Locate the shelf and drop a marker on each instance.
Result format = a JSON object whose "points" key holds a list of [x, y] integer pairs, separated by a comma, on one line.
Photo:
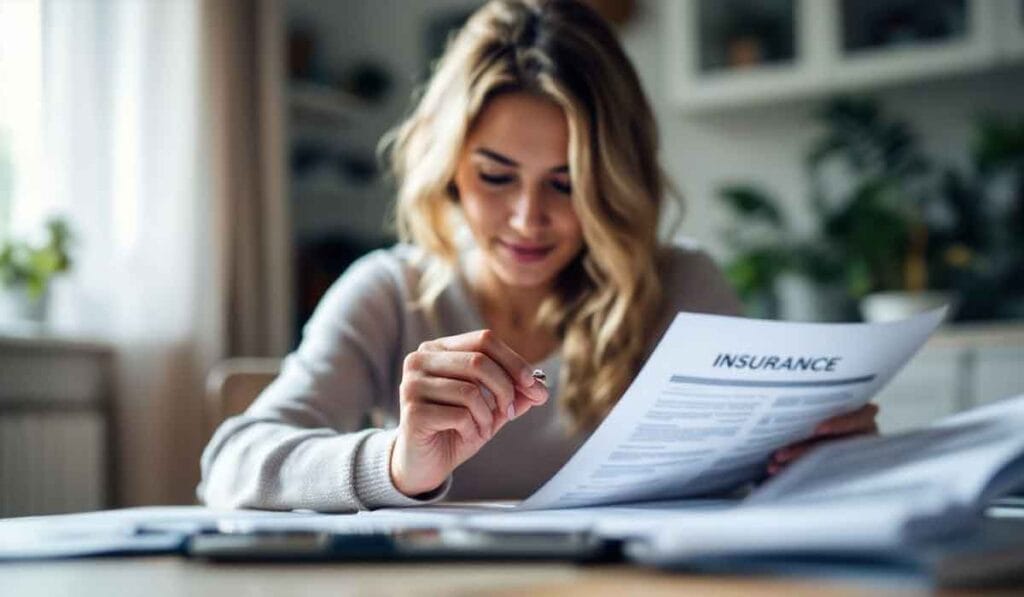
{"points": [[317, 104], [826, 57], [988, 334], [36, 336]]}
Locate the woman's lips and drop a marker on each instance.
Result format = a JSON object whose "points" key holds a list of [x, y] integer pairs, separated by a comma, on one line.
{"points": [[526, 253]]}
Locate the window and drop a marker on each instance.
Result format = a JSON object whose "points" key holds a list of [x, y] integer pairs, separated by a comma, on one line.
{"points": [[21, 194]]}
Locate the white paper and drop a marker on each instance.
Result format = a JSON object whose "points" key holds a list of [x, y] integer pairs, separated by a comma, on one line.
{"points": [[842, 526], [863, 495], [128, 530], [961, 458], [623, 521], [691, 424]]}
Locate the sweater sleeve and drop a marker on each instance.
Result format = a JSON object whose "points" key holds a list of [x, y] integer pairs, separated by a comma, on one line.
{"points": [[299, 444]]}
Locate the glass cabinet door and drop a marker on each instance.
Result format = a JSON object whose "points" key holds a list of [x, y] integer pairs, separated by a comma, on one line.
{"points": [[732, 53], [741, 34], [882, 42], [884, 24], [723, 53]]}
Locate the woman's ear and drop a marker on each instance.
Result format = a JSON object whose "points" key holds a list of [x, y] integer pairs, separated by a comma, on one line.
{"points": [[453, 191]]}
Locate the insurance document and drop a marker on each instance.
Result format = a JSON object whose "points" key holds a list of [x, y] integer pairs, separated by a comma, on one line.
{"points": [[719, 395]]}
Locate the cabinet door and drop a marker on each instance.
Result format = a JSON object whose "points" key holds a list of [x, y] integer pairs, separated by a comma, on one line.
{"points": [[928, 388], [52, 463], [882, 41], [55, 427], [733, 52], [998, 373]]}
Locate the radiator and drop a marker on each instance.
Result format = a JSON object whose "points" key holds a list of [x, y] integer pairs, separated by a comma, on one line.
{"points": [[55, 410], [52, 462]]}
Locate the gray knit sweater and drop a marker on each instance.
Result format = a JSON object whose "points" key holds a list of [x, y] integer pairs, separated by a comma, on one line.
{"points": [[306, 442]]}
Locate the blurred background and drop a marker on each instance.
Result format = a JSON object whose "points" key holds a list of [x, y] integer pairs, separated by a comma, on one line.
{"points": [[181, 180]]}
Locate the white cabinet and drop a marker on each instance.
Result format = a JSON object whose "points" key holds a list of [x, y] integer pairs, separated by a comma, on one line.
{"points": [[729, 53], [925, 390], [56, 425], [959, 367], [998, 372]]}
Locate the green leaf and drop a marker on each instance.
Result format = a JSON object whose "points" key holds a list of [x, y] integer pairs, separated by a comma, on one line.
{"points": [[752, 203], [998, 143], [22, 263]]}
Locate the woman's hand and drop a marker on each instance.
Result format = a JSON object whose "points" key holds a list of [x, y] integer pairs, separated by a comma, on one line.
{"points": [[456, 393], [858, 422]]}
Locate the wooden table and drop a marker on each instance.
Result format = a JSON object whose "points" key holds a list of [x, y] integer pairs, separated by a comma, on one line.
{"points": [[168, 575]]}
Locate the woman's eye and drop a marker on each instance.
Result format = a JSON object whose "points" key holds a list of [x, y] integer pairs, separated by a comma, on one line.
{"points": [[562, 187], [495, 179]]}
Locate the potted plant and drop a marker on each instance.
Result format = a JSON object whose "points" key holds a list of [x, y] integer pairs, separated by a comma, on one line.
{"points": [[879, 214], [769, 255], [762, 252], [873, 195], [984, 237], [27, 269]]}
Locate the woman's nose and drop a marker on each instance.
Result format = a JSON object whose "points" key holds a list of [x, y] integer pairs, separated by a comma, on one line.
{"points": [[528, 210]]}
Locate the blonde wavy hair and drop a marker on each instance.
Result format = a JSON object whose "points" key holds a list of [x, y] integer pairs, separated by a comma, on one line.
{"points": [[606, 302]]}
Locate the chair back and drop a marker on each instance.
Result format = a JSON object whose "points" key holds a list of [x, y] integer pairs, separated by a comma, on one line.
{"points": [[234, 384]]}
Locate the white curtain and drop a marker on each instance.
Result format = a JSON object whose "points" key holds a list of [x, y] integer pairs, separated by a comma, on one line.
{"points": [[125, 162]]}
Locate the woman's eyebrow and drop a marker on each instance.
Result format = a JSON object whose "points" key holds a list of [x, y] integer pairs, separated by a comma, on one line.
{"points": [[497, 157], [504, 159]]}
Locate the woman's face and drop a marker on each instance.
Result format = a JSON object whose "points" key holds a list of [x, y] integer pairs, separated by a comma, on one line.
{"points": [[514, 187]]}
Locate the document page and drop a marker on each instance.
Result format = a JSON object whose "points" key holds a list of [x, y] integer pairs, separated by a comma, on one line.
{"points": [[960, 458], [719, 395]]}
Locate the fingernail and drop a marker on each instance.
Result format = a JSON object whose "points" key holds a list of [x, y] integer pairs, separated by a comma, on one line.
{"points": [[511, 411], [527, 378], [489, 397]]}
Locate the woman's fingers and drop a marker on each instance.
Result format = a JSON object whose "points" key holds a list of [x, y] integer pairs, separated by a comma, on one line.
{"points": [[453, 392], [861, 420], [485, 341], [522, 404], [435, 418], [492, 402], [858, 422], [472, 367], [791, 453], [794, 451]]}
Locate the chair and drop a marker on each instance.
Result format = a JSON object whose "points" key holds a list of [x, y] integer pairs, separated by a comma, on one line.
{"points": [[233, 384]]}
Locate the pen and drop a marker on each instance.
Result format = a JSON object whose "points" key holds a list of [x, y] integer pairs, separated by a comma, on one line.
{"points": [[540, 376]]}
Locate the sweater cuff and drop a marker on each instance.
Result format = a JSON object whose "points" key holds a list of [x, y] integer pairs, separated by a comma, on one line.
{"points": [[373, 476]]}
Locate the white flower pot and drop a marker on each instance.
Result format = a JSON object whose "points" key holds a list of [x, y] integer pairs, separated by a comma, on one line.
{"points": [[16, 304], [896, 305], [803, 300]]}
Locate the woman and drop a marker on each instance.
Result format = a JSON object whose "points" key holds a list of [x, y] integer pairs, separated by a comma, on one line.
{"points": [[534, 138]]}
